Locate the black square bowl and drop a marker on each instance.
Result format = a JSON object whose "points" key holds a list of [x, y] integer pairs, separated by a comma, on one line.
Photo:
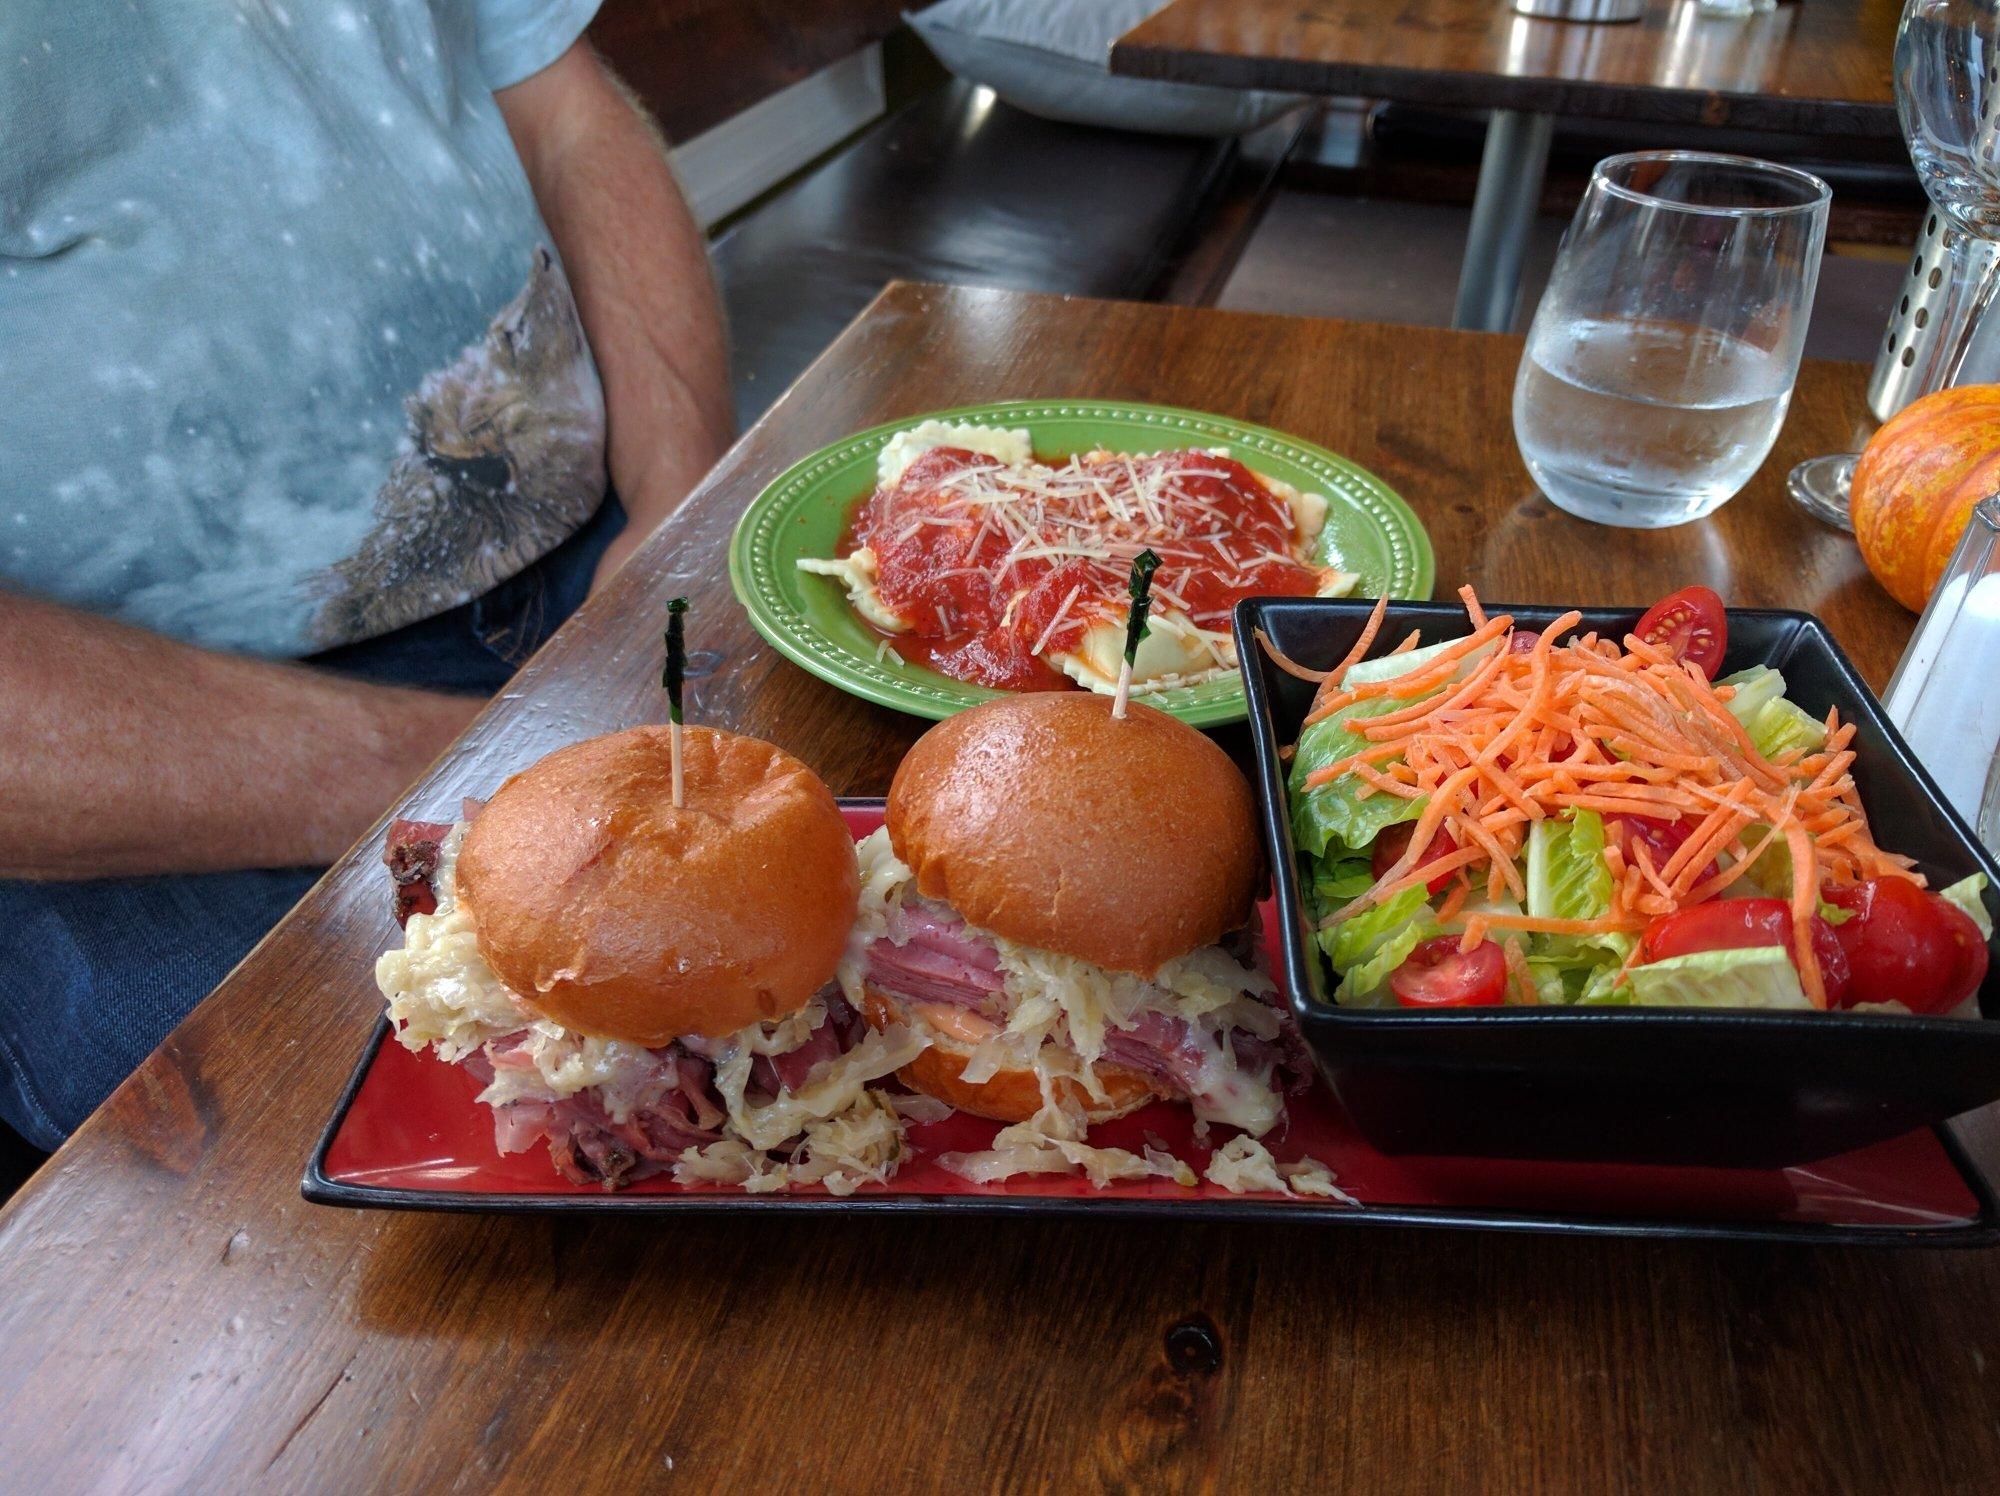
{"points": [[1659, 1085]]}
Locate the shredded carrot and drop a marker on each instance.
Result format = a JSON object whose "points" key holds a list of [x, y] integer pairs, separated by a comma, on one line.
{"points": [[1450, 862], [1425, 678], [1610, 924], [1327, 773], [1285, 662], [1519, 737], [1358, 653], [1805, 903], [1454, 899]]}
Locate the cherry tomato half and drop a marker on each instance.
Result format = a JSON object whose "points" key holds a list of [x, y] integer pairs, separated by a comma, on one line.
{"points": [[1734, 924], [1690, 625], [1661, 838], [1438, 975], [1395, 840], [1908, 946]]}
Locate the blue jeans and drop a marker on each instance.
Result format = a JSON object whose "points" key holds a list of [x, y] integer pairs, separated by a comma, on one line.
{"points": [[93, 974]]}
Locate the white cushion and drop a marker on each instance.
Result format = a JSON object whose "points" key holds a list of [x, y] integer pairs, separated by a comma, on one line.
{"points": [[1051, 57]]}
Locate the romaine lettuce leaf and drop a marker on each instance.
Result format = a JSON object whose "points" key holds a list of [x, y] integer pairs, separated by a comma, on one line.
{"points": [[1389, 666], [1334, 815], [1567, 874], [1965, 893], [1771, 873], [1780, 726], [1756, 688], [1753, 977], [1367, 947], [1366, 984], [1585, 977], [1334, 884], [1602, 989], [1579, 968], [1354, 940]]}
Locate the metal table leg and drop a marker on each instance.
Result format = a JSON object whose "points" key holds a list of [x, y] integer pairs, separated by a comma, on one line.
{"points": [[1503, 211]]}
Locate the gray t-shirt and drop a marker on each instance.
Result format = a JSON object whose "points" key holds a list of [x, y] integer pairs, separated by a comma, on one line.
{"points": [[286, 355]]}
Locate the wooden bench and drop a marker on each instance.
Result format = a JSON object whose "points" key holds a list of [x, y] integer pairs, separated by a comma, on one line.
{"points": [[961, 188]]}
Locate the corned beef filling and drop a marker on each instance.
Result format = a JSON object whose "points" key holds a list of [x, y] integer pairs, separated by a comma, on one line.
{"points": [[588, 1147], [930, 955]]}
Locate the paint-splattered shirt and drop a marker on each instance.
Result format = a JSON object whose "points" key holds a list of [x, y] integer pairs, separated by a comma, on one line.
{"points": [[286, 355]]}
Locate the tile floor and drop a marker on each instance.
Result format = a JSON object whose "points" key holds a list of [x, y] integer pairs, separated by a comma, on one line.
{"points": [[1318, 254]]}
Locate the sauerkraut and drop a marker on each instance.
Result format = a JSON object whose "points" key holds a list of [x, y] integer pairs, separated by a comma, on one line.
{"points": [[861, 1144], [835, 1085], [830, 1128], [1062, 1011], [1245, 1166], [1051, 1142]]}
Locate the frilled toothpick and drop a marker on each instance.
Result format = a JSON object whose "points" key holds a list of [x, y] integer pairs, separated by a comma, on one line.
{"points": [[672, 677], [1143, 566]]}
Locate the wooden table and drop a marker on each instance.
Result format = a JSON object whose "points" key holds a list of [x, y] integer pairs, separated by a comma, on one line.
{"points": [[172, 1313], [1818, 67]]}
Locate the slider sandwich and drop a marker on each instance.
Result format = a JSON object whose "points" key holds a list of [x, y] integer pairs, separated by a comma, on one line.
{"points": [[643, 986], [1058, 905]]}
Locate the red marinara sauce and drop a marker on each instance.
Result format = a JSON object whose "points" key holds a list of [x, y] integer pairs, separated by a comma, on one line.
{"points": [[993, 567]]}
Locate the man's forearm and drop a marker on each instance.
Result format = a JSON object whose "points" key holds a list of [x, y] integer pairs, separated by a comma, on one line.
{"points": [[638, 265], [122, 752]]}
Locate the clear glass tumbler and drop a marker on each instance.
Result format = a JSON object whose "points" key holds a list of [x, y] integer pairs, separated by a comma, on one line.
{"points": [[1662, 356]]}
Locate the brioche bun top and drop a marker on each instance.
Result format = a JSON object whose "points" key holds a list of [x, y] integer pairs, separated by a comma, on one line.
{"points": [[614, 914], [1043, 818]]}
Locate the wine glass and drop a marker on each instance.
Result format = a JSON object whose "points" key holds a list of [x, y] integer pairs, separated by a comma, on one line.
{"points": [[1948, 101]]}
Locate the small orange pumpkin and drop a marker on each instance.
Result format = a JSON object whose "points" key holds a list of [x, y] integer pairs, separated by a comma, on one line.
{"points": [[1917, 482]]}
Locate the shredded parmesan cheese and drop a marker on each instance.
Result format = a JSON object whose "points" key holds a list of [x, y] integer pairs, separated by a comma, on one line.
{"points": [[1086, 519]]}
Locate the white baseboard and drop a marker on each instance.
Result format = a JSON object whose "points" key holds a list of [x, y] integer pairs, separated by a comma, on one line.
{"points": [[724, 168]]}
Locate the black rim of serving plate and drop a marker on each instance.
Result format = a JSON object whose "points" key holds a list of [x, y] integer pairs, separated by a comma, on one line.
{"points": [[318, 1187]]}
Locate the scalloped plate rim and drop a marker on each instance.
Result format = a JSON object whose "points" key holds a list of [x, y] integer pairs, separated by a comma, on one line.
{"points": [[802, 641]]}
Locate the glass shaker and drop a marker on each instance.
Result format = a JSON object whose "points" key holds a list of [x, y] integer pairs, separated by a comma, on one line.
{"points": [[1945, 694]]}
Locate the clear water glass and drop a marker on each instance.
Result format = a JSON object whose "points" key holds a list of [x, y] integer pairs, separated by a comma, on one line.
{"points": [[1662, 357]]}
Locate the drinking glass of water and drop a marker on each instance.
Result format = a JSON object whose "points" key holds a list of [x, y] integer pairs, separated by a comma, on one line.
{"points": [[1662, 357]]}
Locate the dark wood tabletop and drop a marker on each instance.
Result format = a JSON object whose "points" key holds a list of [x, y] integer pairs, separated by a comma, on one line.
{"points": [[173, 1314], [1816, 66]]}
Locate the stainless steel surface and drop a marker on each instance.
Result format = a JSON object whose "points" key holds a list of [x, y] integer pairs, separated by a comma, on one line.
{"points": [[1949, 270], [1511, 169]]}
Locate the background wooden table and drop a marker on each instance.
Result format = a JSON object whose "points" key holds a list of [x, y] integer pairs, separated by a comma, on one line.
{"points": [[1821, 67], [1817, 67], [172, 1313]]}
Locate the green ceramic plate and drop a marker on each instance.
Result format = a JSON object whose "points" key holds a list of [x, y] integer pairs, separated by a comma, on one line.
{"points": [[807, 618]]}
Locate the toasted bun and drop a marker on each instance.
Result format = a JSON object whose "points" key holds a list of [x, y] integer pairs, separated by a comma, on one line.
{"points": [[617, 915], [1010, 1095], [1045, 819]]}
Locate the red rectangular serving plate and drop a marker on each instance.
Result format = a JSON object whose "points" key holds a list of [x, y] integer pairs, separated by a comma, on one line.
{"points": [[409, 1134]]}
